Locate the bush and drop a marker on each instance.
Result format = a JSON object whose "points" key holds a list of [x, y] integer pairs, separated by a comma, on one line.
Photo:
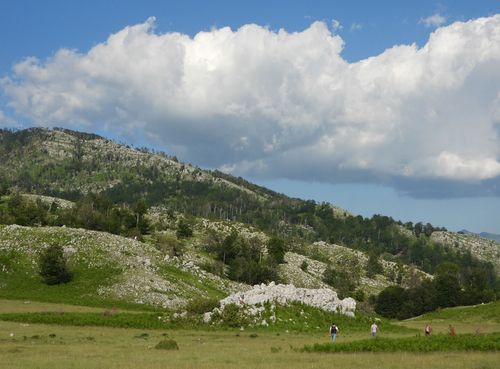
{"points": [[342, 280], [251, 271], [304, 265], [201, 305], [215, 267], [359, 295], [169, 245], [390, 301], [232, 316], [276, 249], [184, 229], [167, 345], [53, 266]]}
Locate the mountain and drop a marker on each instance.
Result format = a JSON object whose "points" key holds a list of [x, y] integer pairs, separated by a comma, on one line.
{"points": [[489, 236], [173, 232], [67, 164]]}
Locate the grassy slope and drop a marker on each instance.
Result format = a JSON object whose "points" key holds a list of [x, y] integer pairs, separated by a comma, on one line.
{"points": [[466, 319], [476, 313], [98, 261]]}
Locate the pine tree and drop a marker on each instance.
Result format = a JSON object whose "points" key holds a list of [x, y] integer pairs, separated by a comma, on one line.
{"points": [[54, 267]]}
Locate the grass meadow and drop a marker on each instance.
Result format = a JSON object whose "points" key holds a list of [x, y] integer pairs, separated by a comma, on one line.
{"points": [[29, 346]]}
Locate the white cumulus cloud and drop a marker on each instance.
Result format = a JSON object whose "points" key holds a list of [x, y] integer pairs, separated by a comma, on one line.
{"points": [[259, 102], [435, 20]]}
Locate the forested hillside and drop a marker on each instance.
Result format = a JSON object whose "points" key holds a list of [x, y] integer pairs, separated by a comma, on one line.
{"points": [[65, 178]]}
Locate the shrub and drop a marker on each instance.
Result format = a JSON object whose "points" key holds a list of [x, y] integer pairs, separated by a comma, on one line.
{"points": [[341, 279], [390, 300], [276, 249], [184, 229], [304, 265], [232, 316], [167, 345], [359, 295], [170, 245], [201, 305], [53, 266], [215, 267], [373, 266], [251, 271]]}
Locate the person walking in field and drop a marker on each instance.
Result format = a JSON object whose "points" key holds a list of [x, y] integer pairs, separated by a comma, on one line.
{"points": [[334, 330], [374, 329], [428, 329]]}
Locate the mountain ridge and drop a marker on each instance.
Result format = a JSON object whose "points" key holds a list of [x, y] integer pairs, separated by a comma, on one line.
{"points": [[487, 235], [70, 164]]}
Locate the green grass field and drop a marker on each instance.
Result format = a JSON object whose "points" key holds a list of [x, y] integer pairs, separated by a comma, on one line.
{"points": [[48, 346], [33, 345]]}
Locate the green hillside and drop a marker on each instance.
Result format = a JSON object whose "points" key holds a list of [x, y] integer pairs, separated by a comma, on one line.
{"points": [[108, 270], [140, 227]]}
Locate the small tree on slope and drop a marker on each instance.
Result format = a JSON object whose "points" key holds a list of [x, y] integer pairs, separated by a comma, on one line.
{"points": [[54, 267]]}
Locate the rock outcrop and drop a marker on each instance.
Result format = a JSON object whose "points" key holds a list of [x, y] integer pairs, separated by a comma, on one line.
{"points": [[284, 294]]}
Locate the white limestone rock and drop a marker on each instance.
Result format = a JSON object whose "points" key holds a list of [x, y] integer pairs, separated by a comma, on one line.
{"points": [[322, 298]]}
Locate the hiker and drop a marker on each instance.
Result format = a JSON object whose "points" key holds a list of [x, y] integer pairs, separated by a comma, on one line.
{"points": [[334, 330], [428, 329], [374, 329]]}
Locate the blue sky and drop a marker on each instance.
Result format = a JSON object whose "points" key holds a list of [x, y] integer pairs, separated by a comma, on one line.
{"points": [[338, 106]]}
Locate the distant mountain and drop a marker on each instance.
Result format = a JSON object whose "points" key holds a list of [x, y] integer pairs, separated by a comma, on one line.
{"points": [[489, 236]]}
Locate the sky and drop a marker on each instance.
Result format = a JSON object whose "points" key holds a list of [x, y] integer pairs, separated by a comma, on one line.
{"points": [[387, 107]]}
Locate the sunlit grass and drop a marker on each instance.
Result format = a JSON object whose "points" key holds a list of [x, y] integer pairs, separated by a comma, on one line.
{"points": [[484, 318], [89, 347]]}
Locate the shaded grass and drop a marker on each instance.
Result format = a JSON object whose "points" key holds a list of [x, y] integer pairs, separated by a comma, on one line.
{"points": [[118, 320], [28, 306], [465, 342]]}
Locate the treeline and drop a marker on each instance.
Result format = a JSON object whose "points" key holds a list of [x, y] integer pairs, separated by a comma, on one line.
{"points": [[92, 211], [245, 260], [452, 286], [289, 218]]}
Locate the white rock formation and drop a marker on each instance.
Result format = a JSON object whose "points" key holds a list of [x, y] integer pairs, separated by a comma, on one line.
{"points": [[322, 298]]}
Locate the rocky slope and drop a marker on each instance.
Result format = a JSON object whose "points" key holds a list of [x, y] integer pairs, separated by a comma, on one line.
{"points": [[140, 273], [481, 248]]}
